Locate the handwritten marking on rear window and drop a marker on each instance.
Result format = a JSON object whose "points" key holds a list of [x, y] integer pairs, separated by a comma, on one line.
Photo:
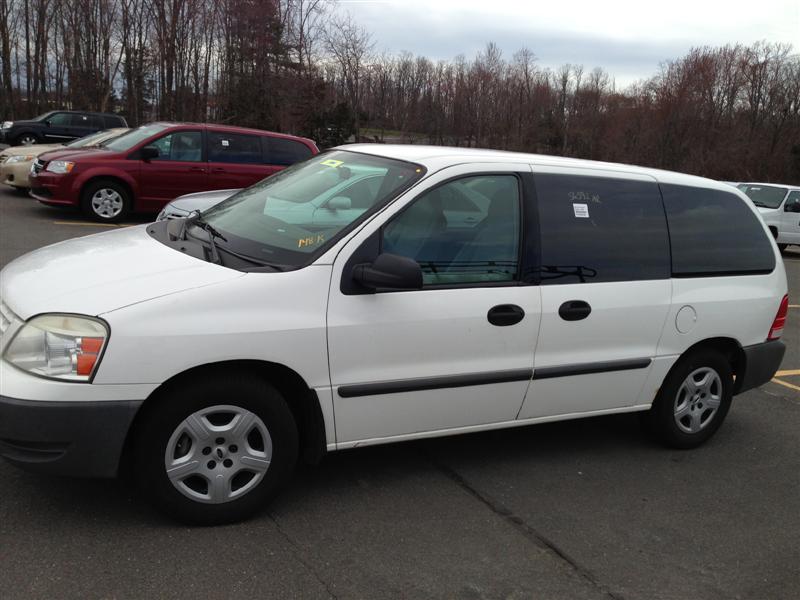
{"points": [[584, 197], [331, 163]]}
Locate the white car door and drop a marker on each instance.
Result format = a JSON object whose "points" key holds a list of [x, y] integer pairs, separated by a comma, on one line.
{"points": [[790, 219], [457, 353], [606, 289]]}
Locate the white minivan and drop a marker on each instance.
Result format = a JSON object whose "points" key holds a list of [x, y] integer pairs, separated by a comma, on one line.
{"points": [[460, 290], [779, 206]]}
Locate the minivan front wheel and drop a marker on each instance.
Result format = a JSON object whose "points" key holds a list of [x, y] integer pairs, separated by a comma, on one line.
{"points": [[693, 400], [105, 200], [215, 451]]}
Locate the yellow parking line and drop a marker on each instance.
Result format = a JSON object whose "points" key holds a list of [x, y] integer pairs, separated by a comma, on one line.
{"points": [[86, 224], [787, 373], [784, 383]]}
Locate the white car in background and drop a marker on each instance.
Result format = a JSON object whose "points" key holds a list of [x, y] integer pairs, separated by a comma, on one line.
{"points": [[779, 206], [16, 161]]}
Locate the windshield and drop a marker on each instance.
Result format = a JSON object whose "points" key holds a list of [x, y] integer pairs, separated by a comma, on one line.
{"points": [[290, 218], [766, 196], [135, 136], [89, 140]]}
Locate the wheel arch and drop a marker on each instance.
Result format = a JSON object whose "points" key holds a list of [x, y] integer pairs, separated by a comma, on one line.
{"points": [[94, 176], [302, 400], [730, 348]]}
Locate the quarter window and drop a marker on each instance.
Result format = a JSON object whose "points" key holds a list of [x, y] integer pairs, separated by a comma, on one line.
{"points": [[234, 148], [282, 151], [714, 233], [460, 235], [186, 146], [596, 229]]}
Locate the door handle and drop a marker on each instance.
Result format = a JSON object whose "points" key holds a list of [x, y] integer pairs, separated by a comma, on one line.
{"points": [[504, 315], [197, 169], [574, 310], [218, 170]]}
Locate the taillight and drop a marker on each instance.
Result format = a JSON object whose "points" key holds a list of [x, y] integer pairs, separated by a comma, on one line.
{"points": [[776, 331]]}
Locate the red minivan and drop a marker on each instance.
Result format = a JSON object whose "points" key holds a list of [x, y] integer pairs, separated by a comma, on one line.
{"points": [[148, 167]]}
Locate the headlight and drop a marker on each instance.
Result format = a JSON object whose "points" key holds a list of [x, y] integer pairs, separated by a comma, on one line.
{"points": [[59, 346], [60, 166], [16, 159], [7, 125]]}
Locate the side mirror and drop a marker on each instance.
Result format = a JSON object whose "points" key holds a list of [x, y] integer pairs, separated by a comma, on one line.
{"points": [[47, 122], [149, 153], [391, 272], [339, 203], [792, 207]]}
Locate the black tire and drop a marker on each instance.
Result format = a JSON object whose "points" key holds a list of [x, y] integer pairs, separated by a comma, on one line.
{"points": [[22, 191], [160, 424], [114, 190], [26, 139], [661, 420]]}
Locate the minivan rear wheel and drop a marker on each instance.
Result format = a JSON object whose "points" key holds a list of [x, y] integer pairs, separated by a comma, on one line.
{"points": [[693, 400], [105, 200], [215, 450]]}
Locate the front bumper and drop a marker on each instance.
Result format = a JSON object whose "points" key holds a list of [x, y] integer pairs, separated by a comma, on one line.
{"points": [[761, 361], [52, 188], [15, 174], [79, 438]]}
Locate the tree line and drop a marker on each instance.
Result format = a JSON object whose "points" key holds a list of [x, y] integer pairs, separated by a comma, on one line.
{"points": [[305, 67]]}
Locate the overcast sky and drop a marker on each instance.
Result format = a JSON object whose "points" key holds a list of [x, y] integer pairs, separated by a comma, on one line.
{"points": [[627, 38]]}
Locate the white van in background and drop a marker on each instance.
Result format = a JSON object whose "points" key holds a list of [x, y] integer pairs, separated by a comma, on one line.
{"points": [[779, 206], [456, 290]]}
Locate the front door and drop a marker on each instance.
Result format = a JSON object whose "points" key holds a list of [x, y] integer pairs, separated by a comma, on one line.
{"points": [[606, 290], [790, 219], [179, 169], [58, 128], [457, 353]]}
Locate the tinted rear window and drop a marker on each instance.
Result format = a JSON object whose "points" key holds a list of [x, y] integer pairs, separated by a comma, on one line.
{"points": [[596, 229], [714, 233], [234, 148], [282, 151]]}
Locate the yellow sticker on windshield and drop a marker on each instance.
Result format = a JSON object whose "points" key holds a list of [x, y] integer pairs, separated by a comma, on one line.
{"points": [[331, 163]]}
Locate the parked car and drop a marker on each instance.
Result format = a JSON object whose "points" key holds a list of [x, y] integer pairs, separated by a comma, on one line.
{"points": [[15, 163], [148, 167], [209, 353], [779, 206], [57, 127]]}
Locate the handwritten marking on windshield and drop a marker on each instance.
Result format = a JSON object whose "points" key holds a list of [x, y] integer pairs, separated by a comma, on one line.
{"points": [[310, 241], [331, 163]]}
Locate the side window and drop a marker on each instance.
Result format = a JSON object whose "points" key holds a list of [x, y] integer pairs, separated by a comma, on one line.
{"points": [[596, 229], [282, 151], [714, 233], [60, 120], [792, 202], [234, 148], [180, 146], [466, 246]]}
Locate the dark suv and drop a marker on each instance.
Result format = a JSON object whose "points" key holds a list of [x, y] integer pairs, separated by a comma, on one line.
{"points": [[148, 167], [57, 126]]}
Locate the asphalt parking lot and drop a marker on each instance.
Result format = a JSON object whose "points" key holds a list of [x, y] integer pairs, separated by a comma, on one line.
{"points": [[580, 509]]}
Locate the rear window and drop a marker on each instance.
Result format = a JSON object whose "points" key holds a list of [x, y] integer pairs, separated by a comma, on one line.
{"points": [[234, 148], [596, 229], [714, 233], [282, 151]]}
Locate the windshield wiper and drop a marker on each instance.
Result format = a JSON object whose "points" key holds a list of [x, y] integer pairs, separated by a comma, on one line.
{"points": [[212, 233]]}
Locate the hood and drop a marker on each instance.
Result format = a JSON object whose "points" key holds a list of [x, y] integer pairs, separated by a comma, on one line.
{"points": [[765, 210], [34, 150], [76, 153], [102, 272], [180, 207]]}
